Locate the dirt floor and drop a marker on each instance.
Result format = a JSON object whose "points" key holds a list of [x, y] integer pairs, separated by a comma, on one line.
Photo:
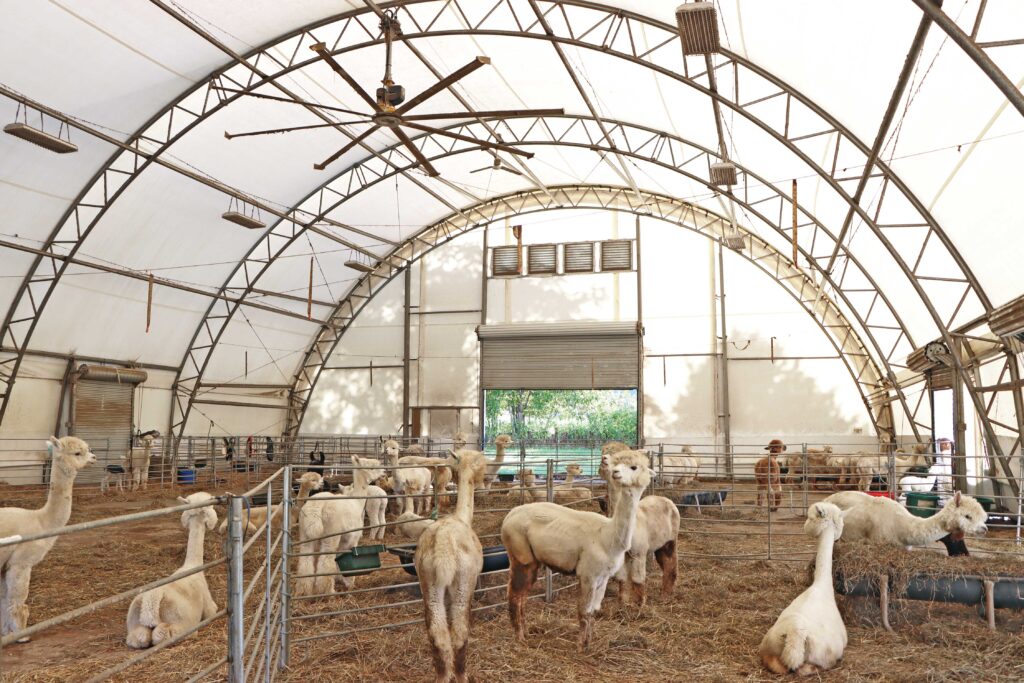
{"points": [[727, 596]]}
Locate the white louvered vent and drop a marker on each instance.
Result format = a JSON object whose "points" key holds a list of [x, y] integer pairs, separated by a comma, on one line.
{"points": [[505, 260], [579, 257], [698, 28], [542, 259], [616, 255]]}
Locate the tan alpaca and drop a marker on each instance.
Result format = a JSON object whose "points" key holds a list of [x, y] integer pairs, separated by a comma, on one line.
{"points": [[448, 561], [166, 612], [607, 503], [502, 442], [256, 516], [767, 475], [440, 474], [680, 469], [138, 460], [68, 456], [567, 493], [573, 541], [809, 636], [411, 525]]}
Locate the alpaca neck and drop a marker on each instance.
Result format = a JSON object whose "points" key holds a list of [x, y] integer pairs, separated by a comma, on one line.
{"points": [[360, 482], [569, 478], [464, 500], [823, 562], [931, 529], [57, 510], [623, 519], [499, 453], [194, 550]]}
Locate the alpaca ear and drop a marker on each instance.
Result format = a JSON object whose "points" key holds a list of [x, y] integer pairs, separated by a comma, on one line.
{"points": [[821, 512], [956, 499], [182, 500], [52, 443]]}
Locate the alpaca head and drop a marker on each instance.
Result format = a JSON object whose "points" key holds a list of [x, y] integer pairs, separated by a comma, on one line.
{"points": [[370, 466], [503, 441], [963, 516], [686, 450], [826, 449], [70, 453], [390, 448], [207, 515], [613, 447], [526, 476], [312, 479], [573, 469], [629, 469], [459, 441], [821, 516], [471, 464], [414, 449]]}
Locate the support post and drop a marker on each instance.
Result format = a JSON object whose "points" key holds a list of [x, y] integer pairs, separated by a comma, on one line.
{"points": [[549, 593], [724, 362], [268, 607], [481, 416], [236, 587], [286, 529], [959, 456], [407, 341], [640, 340]]}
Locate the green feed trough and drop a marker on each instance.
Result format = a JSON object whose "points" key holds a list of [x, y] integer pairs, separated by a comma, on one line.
{"points": [[360, 560]]}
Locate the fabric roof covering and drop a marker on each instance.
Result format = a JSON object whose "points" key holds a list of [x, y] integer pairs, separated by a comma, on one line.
{"points": [[937, 237]]}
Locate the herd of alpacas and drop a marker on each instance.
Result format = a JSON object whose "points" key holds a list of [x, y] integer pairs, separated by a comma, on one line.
{"points": [[808, 637]]}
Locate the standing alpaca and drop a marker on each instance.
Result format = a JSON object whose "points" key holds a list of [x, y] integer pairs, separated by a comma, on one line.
{"points": [[338, 518], [797, 469], [767, 473], [440, 473], [573, 541], [114, 473], [138, 460], [409, 481], [657, 528], [458, 441], [68, 456], [256, 516], [502, 442], [606, 502], [809, 636], [448, 561], [168, 611], [883, 520]]}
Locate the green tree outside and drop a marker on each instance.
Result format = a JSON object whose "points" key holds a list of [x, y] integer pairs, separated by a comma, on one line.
{"points": [[565, 415]]}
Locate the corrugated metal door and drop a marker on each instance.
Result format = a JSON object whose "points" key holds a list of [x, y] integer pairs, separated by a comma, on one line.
{"points": [[560, 356], [103, 418]]}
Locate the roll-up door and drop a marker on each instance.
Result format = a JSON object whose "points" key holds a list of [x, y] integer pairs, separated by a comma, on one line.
{"points": [[560, 355], [104, 401]]}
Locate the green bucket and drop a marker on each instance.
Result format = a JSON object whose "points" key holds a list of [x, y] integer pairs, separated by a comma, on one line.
{"points": [[922, 504], [360, 560], [986, 503]]}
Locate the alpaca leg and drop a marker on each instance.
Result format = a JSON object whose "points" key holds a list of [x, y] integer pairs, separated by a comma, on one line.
{"points": [[306, 565], [437, 629], [166, 631], [325, 565], [458, 621], [105, 483], [584, 612], [139, 636], [16, 581], [760, 494], [669, 563], [638, 579], [520, 580]]}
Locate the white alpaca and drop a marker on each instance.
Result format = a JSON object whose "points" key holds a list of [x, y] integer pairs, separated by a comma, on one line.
{"points": [[138, 459], [411, 482], [882, 520], [809, 636], [376, 504], [502, 442], [338, 518], [168, 611], [411, 525], [657, 528], [68, 456], [573, 541], [256, 516], [114, 473], [679, 469]]}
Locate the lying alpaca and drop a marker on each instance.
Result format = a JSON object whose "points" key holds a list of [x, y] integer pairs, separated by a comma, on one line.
{"points": [[809, 636], [573, 541], [679, 469], [114, 473], [883, 520], [168, 611], [657, 528], [338, 518], [448, 561], [411, 525], [411, 482], [501, 442], [799, 465], [567, 493], [529, 481], [560, 494], [138, 460], [67, 456], [256, 516]]}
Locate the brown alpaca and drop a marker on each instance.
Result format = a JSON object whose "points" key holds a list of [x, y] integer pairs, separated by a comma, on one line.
{"points": [[448, 561], [768, 476]]}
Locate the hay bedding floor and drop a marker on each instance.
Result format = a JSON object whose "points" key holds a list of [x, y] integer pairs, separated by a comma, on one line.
{"points": [[708, 631]]}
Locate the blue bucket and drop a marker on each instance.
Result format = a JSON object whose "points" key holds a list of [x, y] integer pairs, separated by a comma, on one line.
{"points": [[186, 475]]}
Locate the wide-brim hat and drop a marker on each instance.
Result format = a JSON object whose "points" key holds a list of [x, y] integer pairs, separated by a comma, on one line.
{"points": [[775, 442]]}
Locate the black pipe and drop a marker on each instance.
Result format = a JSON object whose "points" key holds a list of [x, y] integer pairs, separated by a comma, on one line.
{"points": [[964, 590]]}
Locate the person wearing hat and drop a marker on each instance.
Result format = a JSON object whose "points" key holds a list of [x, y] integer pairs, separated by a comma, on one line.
{"points": [[768, 475]]}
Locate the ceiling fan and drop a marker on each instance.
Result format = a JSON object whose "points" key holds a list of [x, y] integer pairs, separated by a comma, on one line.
{"points": [[391, 110], [498, 165]]}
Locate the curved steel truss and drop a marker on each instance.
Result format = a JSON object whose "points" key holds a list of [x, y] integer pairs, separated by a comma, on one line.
{"points": [[865, 372]]}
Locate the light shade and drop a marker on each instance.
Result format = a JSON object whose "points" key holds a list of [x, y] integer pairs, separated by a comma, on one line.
{"points": [[723, 174], [698, 28], [41, 138], [250, 222], [361, 266], [734, 241]]}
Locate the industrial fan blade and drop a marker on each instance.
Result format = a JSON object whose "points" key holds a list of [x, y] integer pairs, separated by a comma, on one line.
{"points": [[495, 114], [443, 83], [274, 131], [407, 141], [466, 138], [321, 50], [286, 100], [355, 141]]}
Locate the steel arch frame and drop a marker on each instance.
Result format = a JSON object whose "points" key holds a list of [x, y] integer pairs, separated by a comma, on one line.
{"points": [[833, 323], [662, 149]]}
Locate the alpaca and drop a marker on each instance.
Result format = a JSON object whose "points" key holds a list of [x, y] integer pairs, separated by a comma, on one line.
{"points": [[138, 461], [821, 467], [529, 481], [448, 561], [809, 636], [657, 528], [394, 505], [168, 611], [441, 474], [409, 481], [116, 474], [567, 493], [501, 442], [606, 502], [411, 525], [458, 441], [883, 520], [560, 494], [573, 541], [338, 518], [794, 464], [67, 455], [679, 469], [376, 504], [769, 482], [256, 516]]}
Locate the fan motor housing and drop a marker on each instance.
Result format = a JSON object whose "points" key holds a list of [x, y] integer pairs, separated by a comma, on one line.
{"points": [[391, 95]]}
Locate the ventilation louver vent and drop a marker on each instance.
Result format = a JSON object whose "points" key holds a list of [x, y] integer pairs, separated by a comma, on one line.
{"points": [[698, 28], [723, 174], [734, 240], [1008, 320], [616, 255], [579, 257], [542, 259], [505, 260]]}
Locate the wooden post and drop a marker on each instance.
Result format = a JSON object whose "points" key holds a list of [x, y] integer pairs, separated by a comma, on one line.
{"points": [[149, 303], [796, 249]]}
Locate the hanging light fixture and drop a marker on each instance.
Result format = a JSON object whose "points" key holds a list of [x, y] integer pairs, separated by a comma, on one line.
{"points": [[361, 262], [734, 240], [698, 28], [723, 174], [239, 215], [39, 137]]}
